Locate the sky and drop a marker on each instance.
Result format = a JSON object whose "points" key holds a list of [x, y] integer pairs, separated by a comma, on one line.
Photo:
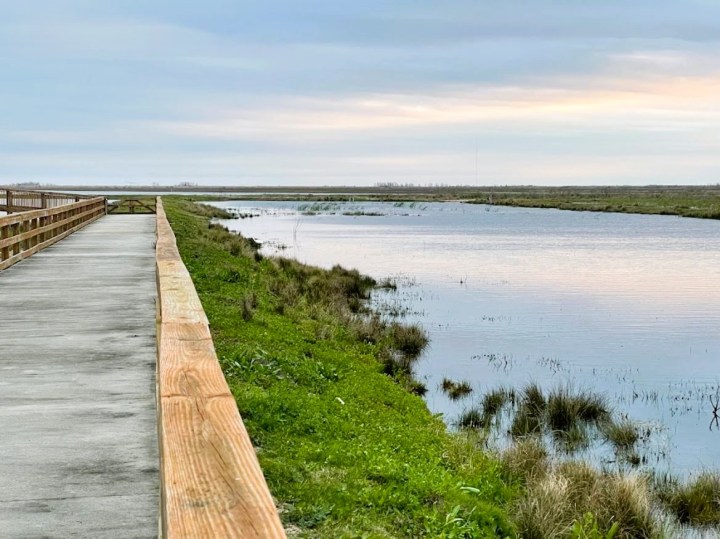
{"points": [[329, 92]]}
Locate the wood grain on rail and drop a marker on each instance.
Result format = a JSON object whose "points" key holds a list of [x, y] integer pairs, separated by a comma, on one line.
{"points": [[212, 484]]}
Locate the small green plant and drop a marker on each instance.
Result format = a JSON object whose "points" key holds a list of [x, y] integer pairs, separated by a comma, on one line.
{"points": [[587, 528]]}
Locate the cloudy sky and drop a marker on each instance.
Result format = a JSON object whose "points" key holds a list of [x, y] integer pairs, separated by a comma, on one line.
{"points": [[329, 92]]}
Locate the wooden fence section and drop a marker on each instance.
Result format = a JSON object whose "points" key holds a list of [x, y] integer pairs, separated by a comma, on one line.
{"points": [[212, 484], [24, 234], [131, 206], [16, 200]]}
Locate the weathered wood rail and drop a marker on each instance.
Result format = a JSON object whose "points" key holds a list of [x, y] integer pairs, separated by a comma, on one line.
{"points": [[131, 206], [24, 234], [17, 200], [212, 484]]}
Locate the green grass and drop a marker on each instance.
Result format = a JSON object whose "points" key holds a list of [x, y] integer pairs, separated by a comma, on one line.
{"points": [[347, 451]]}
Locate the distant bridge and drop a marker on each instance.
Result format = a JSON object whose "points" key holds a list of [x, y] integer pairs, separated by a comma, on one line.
{"points": [[115, 418]]}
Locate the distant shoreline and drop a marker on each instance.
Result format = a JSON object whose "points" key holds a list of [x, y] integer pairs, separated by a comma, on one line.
{"points": [[696, 201]]}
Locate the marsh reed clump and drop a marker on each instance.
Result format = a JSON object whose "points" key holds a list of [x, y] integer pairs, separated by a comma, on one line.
{"points": [[396, 364], [623, 434], [409, 339], [456, 390], [556, 503], [471, 419], [494, 401], [525, 423], [567, 407], [525, 460], [695, 502], [533, 399]]}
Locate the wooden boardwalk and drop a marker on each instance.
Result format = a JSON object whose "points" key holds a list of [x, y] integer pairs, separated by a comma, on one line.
{"points": [[78, 428]]}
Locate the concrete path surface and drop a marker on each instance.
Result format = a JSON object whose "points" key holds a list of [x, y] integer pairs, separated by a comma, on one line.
{"points": [[78, 434]]}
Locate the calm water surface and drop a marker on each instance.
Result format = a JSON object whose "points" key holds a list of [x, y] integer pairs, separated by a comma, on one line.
{"points": [[628, 305]]}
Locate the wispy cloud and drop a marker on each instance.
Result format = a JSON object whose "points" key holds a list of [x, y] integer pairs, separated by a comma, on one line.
{"points": [[327, 92]]}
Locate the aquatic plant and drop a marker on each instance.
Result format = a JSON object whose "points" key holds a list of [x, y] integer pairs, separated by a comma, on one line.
{"points": [[533, 399], [409, 339], [566, 407], [623, 434], [456, 390], [695, 502], [525, 423], [471, 419], [494, 400]]}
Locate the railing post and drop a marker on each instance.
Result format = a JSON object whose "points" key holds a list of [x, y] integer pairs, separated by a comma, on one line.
{"points": [[9, 200], [43, 201]]}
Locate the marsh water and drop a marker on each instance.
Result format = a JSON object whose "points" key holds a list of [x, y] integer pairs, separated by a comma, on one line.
{"points": [[626, 305]]}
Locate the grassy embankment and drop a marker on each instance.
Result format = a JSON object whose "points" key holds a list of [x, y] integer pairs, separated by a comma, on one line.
{"points": [[322, 388]]}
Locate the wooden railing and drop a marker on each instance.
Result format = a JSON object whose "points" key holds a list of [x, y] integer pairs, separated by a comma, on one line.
{"points": [[212, 484], [16, 200], [24, 234], [131, 206]]}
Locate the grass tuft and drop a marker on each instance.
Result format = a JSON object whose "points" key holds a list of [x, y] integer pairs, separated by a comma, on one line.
{"points": [[456, 390], [471, 419], [696, 502], [567, 407], [623, 434]]}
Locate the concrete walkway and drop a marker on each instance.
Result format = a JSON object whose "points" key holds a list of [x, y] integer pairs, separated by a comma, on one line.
{"points": [[78, 435]]}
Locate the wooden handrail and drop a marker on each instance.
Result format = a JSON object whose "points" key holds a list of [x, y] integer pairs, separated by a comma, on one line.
{"points": [[16, 200], [24, 234], [212, 484]]}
